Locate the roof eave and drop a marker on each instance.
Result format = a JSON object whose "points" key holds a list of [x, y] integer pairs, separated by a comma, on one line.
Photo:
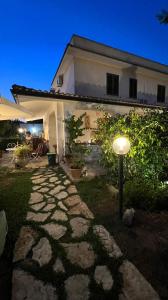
{"points": [[78, 98]]}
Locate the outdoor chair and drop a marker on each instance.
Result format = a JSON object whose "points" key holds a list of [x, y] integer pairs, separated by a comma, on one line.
{"points": [[38, 152], [11, 145]]}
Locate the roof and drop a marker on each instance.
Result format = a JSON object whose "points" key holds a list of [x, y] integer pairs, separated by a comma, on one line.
{"points": [[25, 91], [94, 47], [99, 48]]}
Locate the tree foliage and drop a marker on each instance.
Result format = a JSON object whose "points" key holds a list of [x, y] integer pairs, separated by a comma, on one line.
{"points": [[8, 128], [74, 128], [163, 17], [149, 143]]}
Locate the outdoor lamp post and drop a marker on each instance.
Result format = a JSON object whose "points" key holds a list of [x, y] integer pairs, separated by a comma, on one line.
{"points": [[121, 146]]}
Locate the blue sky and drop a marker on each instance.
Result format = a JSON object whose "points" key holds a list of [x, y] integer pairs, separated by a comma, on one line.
{"points": [[34, 33]]}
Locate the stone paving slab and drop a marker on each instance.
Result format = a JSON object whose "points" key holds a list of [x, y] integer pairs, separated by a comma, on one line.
{"points": [[107, 241], [80, 254], [135, 286], [56, 231], [26, 240], [35, 198], [77, 288], [103, 277], [80, 226], [27, 287], [42, 252], [62, 239], [37, 217]]}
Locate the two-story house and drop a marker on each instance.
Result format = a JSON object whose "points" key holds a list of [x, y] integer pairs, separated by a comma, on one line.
{"points": [[89, 75]]}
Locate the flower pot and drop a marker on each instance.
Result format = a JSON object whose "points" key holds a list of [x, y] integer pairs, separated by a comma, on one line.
{"points": [[20, 162], [76, 173], [51, 159]]}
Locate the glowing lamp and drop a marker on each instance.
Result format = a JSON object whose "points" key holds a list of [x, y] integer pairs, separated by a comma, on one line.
{"points": [[20, 130], [121, 145]]}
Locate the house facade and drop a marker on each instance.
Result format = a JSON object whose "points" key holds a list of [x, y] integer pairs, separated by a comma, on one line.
{"points": [[92, 75], [89, 68]]}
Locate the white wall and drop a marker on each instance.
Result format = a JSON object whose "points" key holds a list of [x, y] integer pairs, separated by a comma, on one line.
{"points": [[90, 80], [68, 76], [50, 126], [54, 127], [60, 130]]}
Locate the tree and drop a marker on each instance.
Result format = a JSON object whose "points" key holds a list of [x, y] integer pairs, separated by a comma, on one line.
{"points": [[9, 128], [163, 17]]}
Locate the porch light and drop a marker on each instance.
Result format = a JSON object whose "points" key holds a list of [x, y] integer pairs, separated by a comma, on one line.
{"points": [[121, 147], [21, 130]]}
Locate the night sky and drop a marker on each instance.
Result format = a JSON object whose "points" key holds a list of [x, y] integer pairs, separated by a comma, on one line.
{"points": [[34, 33]]}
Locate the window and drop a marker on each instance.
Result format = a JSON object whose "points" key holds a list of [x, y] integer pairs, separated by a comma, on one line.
{"points": [[112, 84], [60, 80], [161, 91], [133, 88]]}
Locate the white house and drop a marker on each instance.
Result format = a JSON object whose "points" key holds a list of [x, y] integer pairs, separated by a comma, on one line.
{"points": [[92, 74]]}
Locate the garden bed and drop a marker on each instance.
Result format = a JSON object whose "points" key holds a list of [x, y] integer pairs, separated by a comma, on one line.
{"points": [[145, 244]]}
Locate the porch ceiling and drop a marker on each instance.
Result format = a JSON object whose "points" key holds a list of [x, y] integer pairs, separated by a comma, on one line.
{"points": [[38, 106], [9, 110]]}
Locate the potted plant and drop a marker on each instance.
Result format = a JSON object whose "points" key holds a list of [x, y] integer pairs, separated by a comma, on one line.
{"points": [[21, 155], [79, 151], [74, 128]]}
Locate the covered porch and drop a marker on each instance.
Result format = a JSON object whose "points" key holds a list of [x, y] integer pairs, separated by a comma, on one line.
{"points": [[54, 108]]}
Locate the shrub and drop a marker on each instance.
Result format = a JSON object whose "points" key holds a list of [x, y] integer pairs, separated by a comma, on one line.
{"points": [[146, 164], [144, 195], [74, 128], [79, 151], [149, 142], [22, 151]]}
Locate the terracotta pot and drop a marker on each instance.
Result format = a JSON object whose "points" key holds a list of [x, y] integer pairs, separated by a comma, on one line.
{"points": [[76, 173]]}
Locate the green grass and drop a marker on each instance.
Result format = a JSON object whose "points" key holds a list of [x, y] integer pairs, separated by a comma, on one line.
{"points": [[15, 191], [98, 198]]}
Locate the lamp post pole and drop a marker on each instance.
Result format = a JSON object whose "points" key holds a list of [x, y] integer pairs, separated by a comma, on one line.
{"points": [[121, 147], [120, 186]]}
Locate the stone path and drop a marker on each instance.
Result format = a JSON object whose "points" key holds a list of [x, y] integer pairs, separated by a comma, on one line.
{"points": [[61, 253]]}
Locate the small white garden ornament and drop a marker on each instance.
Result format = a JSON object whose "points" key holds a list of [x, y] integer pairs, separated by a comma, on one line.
{"points": [[128, 216]]}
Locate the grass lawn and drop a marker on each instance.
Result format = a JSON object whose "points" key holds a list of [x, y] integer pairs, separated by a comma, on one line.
{"points": [[145, 243], [15, 189]]}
